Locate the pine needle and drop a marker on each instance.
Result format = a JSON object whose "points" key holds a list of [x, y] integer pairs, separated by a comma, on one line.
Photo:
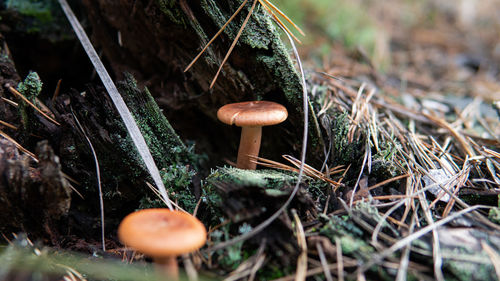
{"points": [[271, 9], [284, 16], [18, 146], [273, 15], [216, 35], [300, 274], [8, 125], [234, 43], [98, 175], [324, 262], [16, 93], [13, 103]]}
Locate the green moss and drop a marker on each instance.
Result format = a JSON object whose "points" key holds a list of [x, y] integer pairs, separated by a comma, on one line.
{"points": [[174, 159], [259, 32], [494, 215], [165, 145], [177, 179], [171, 10], [344, 153], [338, 226], [31, 86], [269, 183], [40, 10], [271, 272], [21, 260], [285, 74], [43, 17], [271, 179], [351, 246]]}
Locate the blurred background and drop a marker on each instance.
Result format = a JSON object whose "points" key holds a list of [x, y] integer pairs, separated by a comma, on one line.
{"points": [[443, 50], [378, 26]]}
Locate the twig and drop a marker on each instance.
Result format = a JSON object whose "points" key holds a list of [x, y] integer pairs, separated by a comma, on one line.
{"points": [[13, 103], [284, 16], [191, 272], [365, 158], [436, 249], [405, 257], [377, 229], [273, 15]]}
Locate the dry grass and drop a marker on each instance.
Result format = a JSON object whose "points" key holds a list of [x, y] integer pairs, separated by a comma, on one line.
{"points": [[430, 136]]}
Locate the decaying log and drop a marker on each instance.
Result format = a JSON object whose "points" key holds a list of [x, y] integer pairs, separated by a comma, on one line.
{"points": [[156, 40], [35, 197], [124, 175]]}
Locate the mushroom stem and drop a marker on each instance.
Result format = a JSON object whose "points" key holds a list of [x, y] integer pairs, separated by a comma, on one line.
{"points": [[168, 266], [249, 145]]}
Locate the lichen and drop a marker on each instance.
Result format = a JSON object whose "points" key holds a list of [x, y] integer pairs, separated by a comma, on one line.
{"points": [[350, 236], [31, 86], [494, 215], [272, 180], [233, 255], [462, 270], [263, 178]]}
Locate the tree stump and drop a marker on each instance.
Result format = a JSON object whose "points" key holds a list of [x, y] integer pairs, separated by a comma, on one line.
{"points": [[156, 40]]}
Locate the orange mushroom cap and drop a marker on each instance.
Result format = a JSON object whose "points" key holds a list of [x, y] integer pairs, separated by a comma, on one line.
{"points": [[252, 113], [161, 232]]}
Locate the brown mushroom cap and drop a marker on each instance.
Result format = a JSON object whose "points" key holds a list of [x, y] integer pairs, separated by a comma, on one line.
{"points": [[161, 232], [252, 113]]}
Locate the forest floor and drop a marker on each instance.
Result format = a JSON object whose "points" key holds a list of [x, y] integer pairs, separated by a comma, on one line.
{"points": [[412, 91]]}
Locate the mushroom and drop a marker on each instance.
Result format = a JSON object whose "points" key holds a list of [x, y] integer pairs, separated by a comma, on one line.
{"points": [[163, 235], [251, 116]]}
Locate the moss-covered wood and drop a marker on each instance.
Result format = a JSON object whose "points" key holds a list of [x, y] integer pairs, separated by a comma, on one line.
{"points": [[156, 40], [124, 174]]}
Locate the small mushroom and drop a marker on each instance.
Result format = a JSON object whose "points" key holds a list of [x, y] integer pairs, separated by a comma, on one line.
{"points": [[251, 116], [163, 235]]}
